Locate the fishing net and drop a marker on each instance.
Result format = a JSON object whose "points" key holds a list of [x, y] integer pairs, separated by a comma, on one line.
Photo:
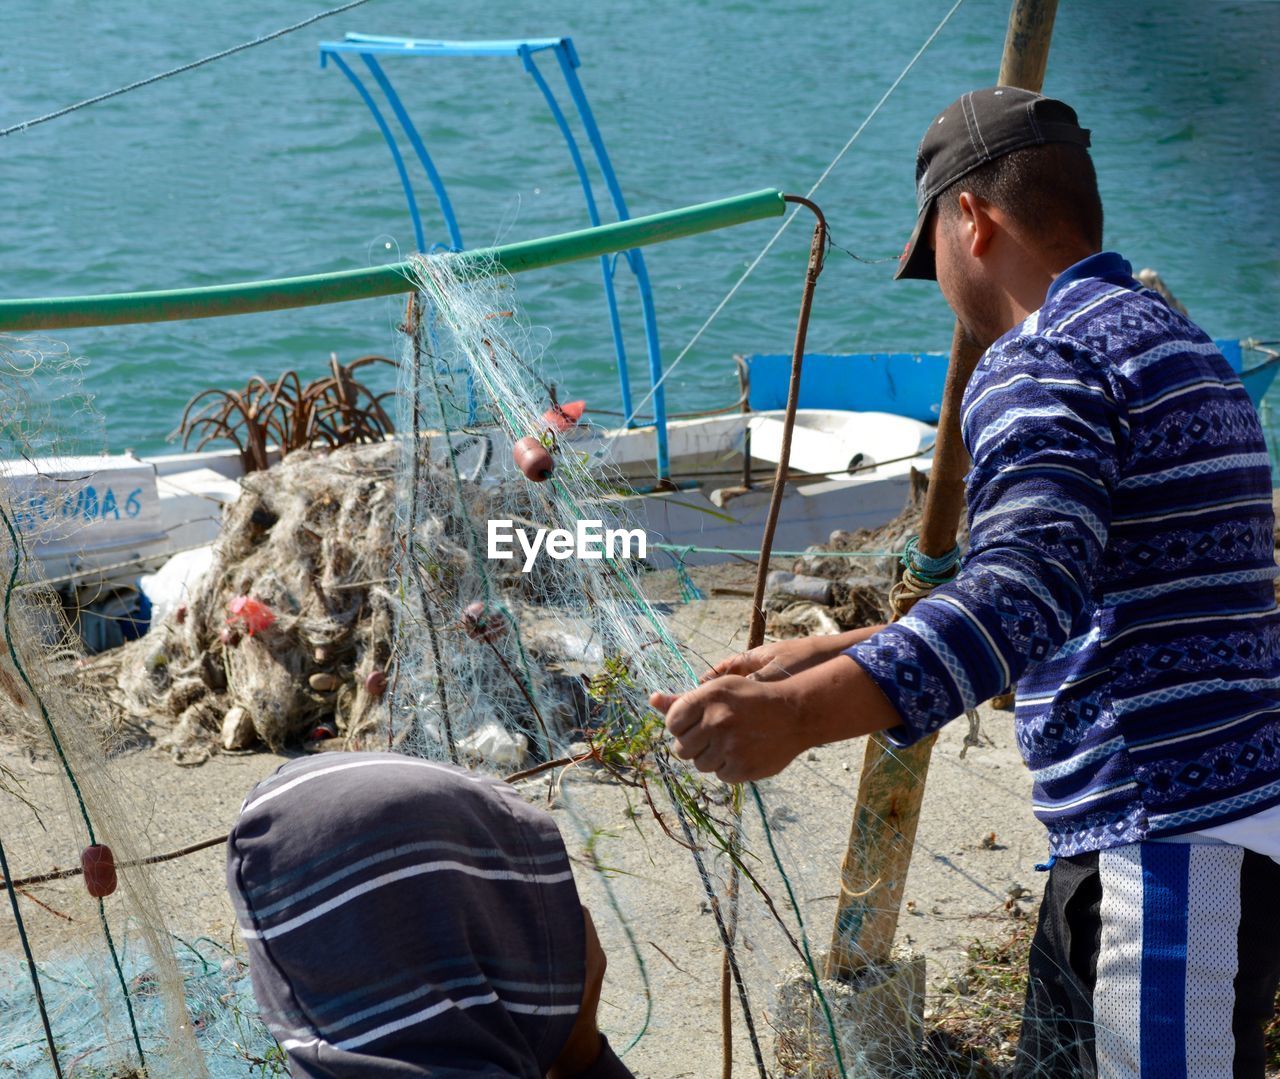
{"points": [[113, 993], [521, 662], [359, 594]]}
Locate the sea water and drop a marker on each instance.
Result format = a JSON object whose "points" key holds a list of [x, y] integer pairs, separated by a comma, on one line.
{"points": [[264, 165]]}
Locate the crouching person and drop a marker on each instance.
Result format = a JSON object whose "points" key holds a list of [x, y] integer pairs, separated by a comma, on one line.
{"points": [[406, 918]]}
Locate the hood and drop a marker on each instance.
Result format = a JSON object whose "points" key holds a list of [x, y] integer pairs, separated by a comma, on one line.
{"points": [[406, 918]]}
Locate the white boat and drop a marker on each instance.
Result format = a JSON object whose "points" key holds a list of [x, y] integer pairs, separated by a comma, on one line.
{"points": [[95, 525]]}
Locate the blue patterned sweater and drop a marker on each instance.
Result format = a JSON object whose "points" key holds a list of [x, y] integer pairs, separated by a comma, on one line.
{"points": [[1120, 571]]}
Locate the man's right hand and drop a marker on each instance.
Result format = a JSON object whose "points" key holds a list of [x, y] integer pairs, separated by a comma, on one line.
{"points": [[781, 659]]}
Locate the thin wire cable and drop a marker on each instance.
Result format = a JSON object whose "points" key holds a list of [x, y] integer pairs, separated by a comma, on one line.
{"points": [[27, 124], [786, 223], [859, 258]]}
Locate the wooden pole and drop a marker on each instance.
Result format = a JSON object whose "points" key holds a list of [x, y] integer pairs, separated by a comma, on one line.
{"points": [[1026, 44], [891, 789]]}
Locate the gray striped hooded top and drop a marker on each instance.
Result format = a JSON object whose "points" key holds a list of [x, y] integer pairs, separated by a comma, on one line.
{"points": [[406, 918]]}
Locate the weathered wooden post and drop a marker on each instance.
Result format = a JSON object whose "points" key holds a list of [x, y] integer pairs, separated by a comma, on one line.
{"points": [[890, 791], [892, 785]]}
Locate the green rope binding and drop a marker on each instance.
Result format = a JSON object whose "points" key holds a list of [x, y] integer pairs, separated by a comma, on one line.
{"points": [[927, 569]]}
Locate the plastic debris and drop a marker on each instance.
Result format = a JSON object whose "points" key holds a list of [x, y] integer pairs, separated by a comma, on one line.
{"points": [[799, 585], [493, 744], [171, 587]]}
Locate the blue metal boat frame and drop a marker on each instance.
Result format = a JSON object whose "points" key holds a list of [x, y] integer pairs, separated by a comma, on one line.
{"points": [[370, 47]]}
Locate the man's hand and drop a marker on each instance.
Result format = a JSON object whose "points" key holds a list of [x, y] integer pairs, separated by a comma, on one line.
{"points": [[781, 659], [735, 727], [744, 729]]}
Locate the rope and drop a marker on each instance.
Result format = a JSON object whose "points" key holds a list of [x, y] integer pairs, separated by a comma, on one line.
{"points": [[179, 70], [683, 550], [804, 937], [927, 568], [713, 900], [213, 841], [786, 224]]}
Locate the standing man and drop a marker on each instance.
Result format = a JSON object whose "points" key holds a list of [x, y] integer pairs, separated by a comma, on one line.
{"points": [[1120, 571]]}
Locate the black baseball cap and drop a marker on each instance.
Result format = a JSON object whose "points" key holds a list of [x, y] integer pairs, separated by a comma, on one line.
{"points": [[980, 126]]}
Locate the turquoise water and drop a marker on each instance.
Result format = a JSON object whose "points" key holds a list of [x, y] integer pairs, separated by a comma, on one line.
{"points": [[263, 165]]}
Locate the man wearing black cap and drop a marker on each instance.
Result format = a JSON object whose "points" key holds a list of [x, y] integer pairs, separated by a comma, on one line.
{"points": [[1120, 570]]}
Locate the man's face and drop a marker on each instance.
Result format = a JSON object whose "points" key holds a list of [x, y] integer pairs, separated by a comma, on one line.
{"points": [[963, 278]]}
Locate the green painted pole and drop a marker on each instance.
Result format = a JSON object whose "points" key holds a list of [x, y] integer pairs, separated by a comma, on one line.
{"points": [[69, 312]]}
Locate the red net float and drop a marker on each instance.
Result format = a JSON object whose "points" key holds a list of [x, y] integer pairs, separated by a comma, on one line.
{"points": [[533, 459], [99, 866], [563, 417], [322, 731], [253, 613], [375, 683]]}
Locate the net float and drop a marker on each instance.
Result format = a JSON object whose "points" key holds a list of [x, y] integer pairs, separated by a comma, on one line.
{"points": [[375, 683], [324, 682], [253, 613], [323, 730], [483, 624], [99, 867], [533, 458], [563, 417]]}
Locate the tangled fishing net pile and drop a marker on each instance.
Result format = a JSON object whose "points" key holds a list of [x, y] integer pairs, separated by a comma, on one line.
{"points": [[289, 631]]}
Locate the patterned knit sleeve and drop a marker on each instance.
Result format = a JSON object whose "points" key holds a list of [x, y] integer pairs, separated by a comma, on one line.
{"points": [[1043, 425]]}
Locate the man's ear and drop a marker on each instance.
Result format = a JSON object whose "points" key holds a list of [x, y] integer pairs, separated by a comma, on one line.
{"points": [[977, 223]]}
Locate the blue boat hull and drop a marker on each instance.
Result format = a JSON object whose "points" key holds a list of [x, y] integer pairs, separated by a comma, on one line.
{"points": [[905, 383]]}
